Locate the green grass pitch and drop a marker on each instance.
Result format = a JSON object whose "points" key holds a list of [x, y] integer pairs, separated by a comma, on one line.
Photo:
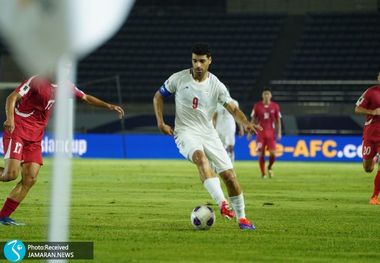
{"points": [[139, 211]]}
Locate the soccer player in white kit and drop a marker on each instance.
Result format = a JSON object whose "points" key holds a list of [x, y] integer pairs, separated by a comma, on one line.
{"points": [[197, 93], [225, 125]]}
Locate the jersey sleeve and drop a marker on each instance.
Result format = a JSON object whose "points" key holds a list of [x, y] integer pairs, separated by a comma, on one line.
{"points": [[278, 112], [25, 87], [223, 96], [219, 108], [253, 112], [363, 101], [169, 87], [77, 92]]}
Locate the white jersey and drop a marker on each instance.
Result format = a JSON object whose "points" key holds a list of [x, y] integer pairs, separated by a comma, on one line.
{"points": [[225, 122], [196, 101]]}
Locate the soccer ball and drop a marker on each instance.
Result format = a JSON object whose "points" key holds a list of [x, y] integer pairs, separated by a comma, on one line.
{"points": [[202, 217]]}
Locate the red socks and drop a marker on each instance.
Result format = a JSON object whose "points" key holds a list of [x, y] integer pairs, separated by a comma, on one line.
{"points": [[9, 207], [376, 185], [262, 164], [271, 161]]}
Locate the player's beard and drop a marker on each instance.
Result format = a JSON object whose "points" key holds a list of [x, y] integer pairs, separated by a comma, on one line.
{"points": [[199, 72]]}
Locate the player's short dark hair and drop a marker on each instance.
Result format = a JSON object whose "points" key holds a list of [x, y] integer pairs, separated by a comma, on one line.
{"points": [[201, 49], [266, 89]]}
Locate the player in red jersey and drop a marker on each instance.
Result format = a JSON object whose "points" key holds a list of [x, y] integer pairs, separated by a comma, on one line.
{"points": [[267, 114], [27, 114], [369, 104]]}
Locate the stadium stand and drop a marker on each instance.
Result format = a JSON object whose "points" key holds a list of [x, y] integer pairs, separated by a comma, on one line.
{"points": [[151, 46], [329, 59], [337, 47], [320, 124], [332, 47]]}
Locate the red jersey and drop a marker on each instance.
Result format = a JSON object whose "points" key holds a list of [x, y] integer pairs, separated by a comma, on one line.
{"points": [[33, 110], [370, 100], [266, 115]]}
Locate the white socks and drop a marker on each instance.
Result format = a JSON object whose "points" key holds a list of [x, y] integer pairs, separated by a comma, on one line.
{"points": [[213, 187], [238, 205]]}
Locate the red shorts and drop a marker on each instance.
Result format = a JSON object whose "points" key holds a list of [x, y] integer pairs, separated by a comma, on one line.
{"points": [[371, 141], [265, 142], [19, 149], [370, 148]]}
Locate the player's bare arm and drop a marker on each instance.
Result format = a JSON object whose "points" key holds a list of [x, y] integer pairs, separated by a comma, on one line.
{"points": [[254, 120], [252, 116], [158, 105], [241, 119], [361, 110], [10, 105], [241, 130], [278, 128], [94, 101]]}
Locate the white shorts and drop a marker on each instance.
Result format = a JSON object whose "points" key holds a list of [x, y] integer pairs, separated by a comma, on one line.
{"points": [[227, 138], [210, 144]]}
